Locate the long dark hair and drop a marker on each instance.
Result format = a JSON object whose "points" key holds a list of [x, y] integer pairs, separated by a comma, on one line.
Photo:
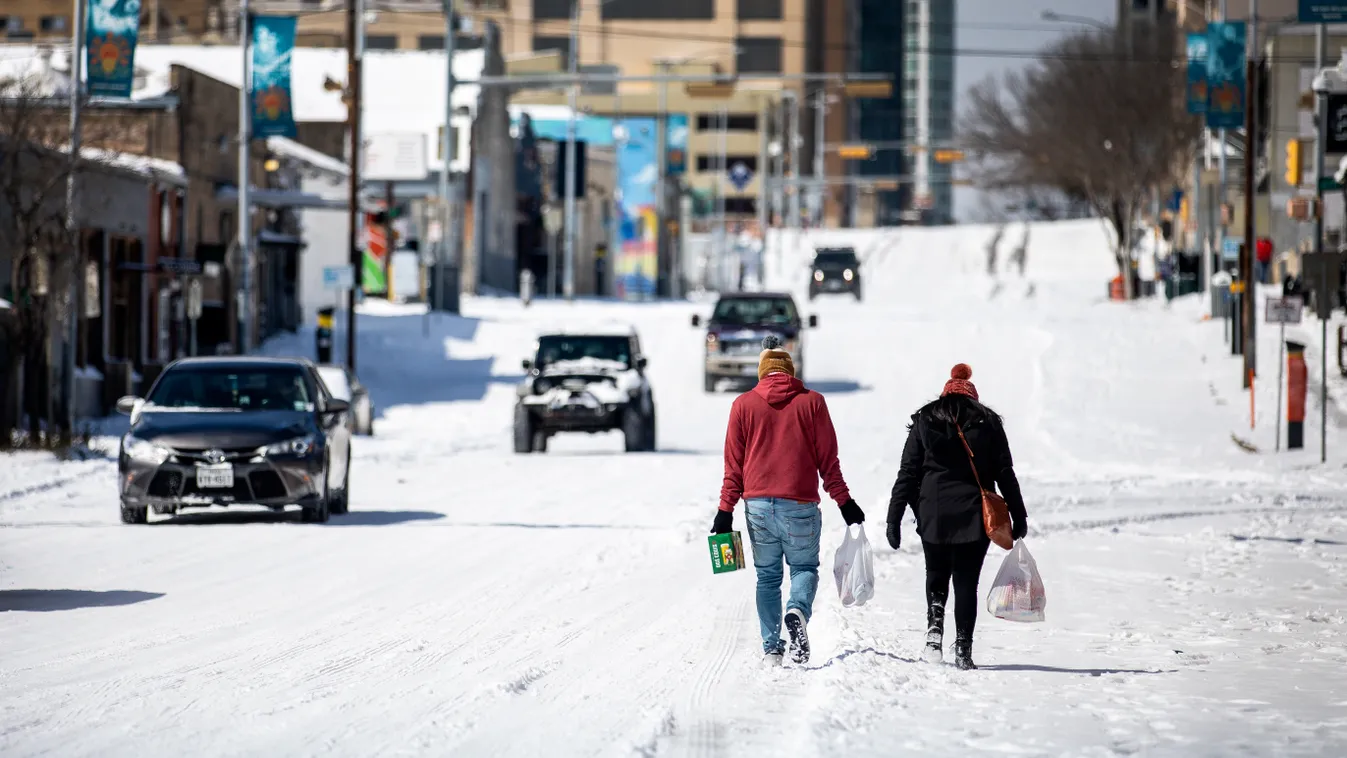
{"points": [[958, 410]]}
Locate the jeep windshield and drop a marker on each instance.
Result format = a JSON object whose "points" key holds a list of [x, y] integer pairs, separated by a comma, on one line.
{"points": [[836, 258], [561, 353], [778, 311]]}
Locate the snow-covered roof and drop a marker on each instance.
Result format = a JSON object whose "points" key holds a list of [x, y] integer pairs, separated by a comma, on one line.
{"points": [[404, 89], [291, 149], [591, 330], [157, 168]]}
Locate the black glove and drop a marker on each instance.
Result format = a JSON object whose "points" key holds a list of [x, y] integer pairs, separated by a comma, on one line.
{"points": [[895, 534], [852, 513], [724, 523], [1019, 527]]}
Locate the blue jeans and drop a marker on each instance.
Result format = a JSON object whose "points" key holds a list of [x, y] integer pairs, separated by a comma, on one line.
{"points": [[783, 529]]}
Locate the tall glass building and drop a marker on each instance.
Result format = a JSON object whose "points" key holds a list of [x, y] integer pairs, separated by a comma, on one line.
{"points": [[928, 103], [876, 26]]}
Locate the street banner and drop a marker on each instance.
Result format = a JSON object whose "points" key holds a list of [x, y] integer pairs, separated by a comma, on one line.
{"points": [[1197, 72], [1225, 75], [112, 30], [676, 153], [273, 41], [638, 231], [1322, 11], [372, 278]]}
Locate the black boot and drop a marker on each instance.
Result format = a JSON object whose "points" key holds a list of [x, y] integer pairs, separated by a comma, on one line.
{"points": [[963, 654], [935, 633]]}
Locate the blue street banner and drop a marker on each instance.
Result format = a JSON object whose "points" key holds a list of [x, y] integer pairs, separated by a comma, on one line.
{"points": [[1322, 11], [273, 42], [1196, 93], [676, 154], [1225, 75], [111, 51]]}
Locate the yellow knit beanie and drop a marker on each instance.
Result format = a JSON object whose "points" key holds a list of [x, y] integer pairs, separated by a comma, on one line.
{"points": [[773, 359]]}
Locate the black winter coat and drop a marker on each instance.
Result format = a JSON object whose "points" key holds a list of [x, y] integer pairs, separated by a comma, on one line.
{"points": [[937, 480]]}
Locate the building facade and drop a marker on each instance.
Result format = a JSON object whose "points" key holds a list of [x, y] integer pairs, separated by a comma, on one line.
{"points": [[876, 24], [928, 103]]}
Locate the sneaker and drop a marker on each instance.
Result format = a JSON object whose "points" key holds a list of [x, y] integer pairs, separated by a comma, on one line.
{"points": [[934, 650], [799, 635], [773, 660]]}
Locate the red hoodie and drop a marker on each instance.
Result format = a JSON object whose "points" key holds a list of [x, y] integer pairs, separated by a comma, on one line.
{"points": [[779, 442]]}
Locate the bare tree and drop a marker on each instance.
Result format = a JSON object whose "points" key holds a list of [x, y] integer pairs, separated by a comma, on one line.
{"points": [[35, 164], [1089, 122]]}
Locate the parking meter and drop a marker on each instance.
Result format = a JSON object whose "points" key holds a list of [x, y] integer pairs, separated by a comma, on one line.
{"points": [[323, 335]]}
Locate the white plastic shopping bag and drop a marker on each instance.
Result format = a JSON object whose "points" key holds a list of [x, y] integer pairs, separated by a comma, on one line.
{"points": [[1018, 594], [854, 570]]}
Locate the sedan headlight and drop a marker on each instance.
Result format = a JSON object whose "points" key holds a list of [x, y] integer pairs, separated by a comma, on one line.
{"points": [[145, 451], [298, 446], [848, 274], [818, 276]]}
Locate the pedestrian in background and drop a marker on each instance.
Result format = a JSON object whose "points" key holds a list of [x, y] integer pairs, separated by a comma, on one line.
{"points": [[780, 441], [946, 438]]}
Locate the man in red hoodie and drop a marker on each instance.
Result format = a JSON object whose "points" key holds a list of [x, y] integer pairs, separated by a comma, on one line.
{"points": [[779, 442]]}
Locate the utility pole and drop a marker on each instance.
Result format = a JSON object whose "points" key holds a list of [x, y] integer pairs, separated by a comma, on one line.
{"points": [[245, 225], [354, 23], [764, 173], [1321, 137], [1223, 176], [661, 161], [449, 149], [573, 96], [1246, 267], [820, 124], [390, 246], [794, 188], [72, 216]]}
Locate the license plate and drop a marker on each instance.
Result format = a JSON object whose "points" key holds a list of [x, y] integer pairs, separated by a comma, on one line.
{"points": [[220, 476], [834, 285]]}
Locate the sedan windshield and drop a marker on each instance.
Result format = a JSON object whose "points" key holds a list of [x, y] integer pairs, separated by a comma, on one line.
{"points": [[565, 349], [756, 310], [280, 388]]}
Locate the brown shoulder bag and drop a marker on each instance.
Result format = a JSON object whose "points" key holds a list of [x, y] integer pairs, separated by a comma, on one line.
{"points": [[995, 513]]}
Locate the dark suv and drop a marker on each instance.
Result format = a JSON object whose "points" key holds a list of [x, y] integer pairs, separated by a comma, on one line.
{"points": [[736, 329], [835, 269]]}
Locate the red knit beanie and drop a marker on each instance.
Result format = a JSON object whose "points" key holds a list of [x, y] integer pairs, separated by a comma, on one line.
{"points": [[958, 383]]}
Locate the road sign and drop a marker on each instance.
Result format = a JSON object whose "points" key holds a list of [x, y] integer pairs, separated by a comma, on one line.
{"points": [[740, 175], [1230, 248], [395, 157], [1322, 11], [338, 278], [194, 299], [1328, 184], [1285, 310]]}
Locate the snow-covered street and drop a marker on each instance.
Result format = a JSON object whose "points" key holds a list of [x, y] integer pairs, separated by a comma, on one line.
{"points": [[479, 602]]}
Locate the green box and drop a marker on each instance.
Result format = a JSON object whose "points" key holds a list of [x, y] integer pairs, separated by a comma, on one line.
{"points": [[727, 552]]}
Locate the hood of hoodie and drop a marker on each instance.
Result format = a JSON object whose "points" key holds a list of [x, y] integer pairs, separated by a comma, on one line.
{"points": [[778, 388]]}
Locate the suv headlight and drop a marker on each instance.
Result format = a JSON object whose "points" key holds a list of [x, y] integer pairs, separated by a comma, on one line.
{"points": [[145, 451], [848, 274], [818, 276], [298, 446]]}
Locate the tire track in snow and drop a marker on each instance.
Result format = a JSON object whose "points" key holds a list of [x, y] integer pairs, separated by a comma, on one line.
{"points": [[702, 738]]}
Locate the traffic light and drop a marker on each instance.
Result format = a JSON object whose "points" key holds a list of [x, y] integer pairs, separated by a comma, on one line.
{"points": [[948, 156], [1293, 163]]}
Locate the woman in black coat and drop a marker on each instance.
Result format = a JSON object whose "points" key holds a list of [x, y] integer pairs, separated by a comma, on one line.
{"points": [[938, 481]]}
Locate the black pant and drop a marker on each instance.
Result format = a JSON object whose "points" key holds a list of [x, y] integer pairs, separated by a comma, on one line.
{"points": [[963, 563]]}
